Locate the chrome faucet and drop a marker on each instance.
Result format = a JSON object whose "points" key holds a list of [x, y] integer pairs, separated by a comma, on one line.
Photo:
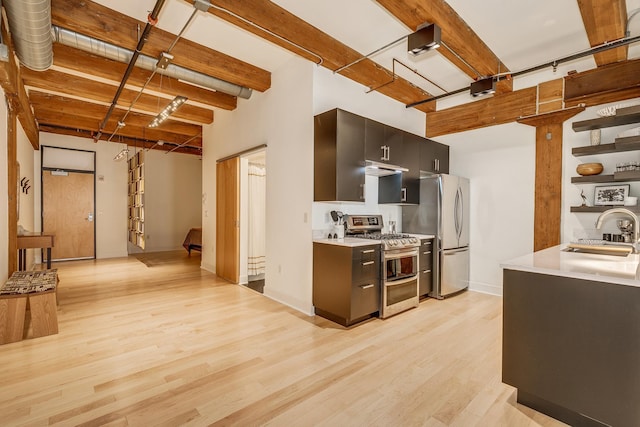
{"points": [[634, 218]]}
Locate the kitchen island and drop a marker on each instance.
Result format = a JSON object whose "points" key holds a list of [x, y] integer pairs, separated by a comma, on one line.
{"points": [[571, 335]]}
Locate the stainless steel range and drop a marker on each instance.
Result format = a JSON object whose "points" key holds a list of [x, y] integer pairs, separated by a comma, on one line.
{"points": [[399, 262]]}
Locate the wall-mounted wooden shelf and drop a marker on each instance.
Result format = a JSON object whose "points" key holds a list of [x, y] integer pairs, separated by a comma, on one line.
{"points": [[623, 116], [625, 176], [631, 143], [597, 209]]}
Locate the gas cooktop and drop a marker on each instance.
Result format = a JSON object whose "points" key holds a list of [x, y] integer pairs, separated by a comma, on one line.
{"points": [[370, 227]]}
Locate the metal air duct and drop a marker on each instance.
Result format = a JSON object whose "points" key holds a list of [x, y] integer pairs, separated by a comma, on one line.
{"points": [[117, 53], [30, 25]]}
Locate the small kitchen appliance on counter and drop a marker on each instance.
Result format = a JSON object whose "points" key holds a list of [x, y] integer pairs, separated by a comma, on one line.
{"points": [[399, 262]]}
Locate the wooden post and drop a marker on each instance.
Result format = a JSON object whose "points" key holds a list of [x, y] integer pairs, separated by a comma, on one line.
{"points": [[548, 191], [12, 189]]}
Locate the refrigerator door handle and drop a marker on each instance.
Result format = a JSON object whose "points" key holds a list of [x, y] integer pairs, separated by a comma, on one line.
{"points": [[461, 206], [456, 213], [453, 252]]}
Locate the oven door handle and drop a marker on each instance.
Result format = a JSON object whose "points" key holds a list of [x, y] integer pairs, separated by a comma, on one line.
{"points": [[403, 254], [404, 281]]}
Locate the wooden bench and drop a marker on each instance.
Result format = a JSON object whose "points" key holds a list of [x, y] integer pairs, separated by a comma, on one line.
{"points": [[36, 289]]}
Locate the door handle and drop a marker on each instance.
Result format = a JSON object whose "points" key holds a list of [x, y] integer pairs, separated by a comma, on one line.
{"points": [[90, 217]]}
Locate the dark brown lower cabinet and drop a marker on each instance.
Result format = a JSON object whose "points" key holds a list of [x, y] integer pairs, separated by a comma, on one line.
{"points": [[425, 265], [346, 282], [572, 347]]}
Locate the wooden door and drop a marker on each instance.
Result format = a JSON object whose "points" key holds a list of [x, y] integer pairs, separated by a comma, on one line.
{"points": [[228, 220], [68, 211]]}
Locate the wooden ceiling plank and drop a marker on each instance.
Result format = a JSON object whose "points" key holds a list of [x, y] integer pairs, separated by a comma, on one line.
{"points": [[455, 33], [83, 62], [605, 20], [490, 111], [56, 118], [131, 142], [334, 54], [95, 20], [13, 87], [74, 107], [56, 81]]}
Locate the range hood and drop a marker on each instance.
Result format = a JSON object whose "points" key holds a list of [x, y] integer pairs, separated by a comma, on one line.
{"points": [[382, 169]]}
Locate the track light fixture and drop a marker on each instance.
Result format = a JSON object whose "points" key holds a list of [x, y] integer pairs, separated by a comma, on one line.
{"points": [[122, 154], [483, 87], [426, 38], [168, 110]]}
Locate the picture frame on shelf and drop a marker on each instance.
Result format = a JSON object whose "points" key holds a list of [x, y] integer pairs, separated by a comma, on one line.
{"points": [[610, 195]]}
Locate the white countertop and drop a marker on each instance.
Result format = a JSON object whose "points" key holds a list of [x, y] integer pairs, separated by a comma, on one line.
{"points": [[601, 268], [351, 242], [422, 236]]}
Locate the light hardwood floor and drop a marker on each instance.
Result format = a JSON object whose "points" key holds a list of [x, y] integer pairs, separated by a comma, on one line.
{"points": [[163, 343]]}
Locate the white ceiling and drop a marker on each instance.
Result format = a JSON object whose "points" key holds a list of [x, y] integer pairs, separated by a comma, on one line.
{"points": [[522, 33]]}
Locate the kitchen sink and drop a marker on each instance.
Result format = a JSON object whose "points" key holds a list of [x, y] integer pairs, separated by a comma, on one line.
{"points": [[621, 250]]}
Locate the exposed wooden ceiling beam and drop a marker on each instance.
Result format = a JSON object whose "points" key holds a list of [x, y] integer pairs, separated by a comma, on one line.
{"points": [[14, 91], [132, 142], [455, 33], [76, 108], [491, 111], [95, 20], [56, 81], [83, 62], [609, 83], [54, 117], [605, 20], [334, 54]]}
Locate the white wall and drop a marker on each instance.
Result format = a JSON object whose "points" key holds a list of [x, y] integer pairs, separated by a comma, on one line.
{"points": [[26, 216], [172, 197], [111, 191], [282, 118], [500, 163], [4, 203], [25, 158], [335, 91]]}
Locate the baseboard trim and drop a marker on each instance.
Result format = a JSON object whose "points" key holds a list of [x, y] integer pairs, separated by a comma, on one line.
{"points": [[485, 288]]}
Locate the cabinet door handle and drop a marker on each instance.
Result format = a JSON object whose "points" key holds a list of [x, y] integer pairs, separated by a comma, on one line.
{"points": [[403, 198], [368, 263], [368, 251], [388, 153], [369, 286], [384, 152], [426, 253], [426, 271]]}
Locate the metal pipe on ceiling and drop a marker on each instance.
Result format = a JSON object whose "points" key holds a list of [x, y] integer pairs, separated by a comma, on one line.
{"points": [[554, 64], [30, 25], [120, 54]]}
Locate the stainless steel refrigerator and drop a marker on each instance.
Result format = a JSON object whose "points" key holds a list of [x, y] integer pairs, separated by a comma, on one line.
{"points": [[444, 212]]}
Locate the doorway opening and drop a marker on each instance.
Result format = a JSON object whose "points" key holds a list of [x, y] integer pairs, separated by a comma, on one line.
{"points": [[253, 178]]}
